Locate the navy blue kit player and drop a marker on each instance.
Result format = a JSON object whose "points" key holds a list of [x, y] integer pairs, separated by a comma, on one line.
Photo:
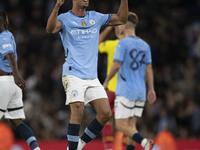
{"points": [[79, 31], [132, 62], [11, 84]]}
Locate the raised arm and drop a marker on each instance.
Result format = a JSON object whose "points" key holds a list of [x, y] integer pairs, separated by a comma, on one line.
{"points": [[122, 15], [18, 79], [53, 25], [151, 95], [104, 33]]}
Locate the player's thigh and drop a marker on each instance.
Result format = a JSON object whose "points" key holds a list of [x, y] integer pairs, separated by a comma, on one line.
{"points": [[121, 123], [97, 97], [15, 108], [77, 111], [101, 106]]}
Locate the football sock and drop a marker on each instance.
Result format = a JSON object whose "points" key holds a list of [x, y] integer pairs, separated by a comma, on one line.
{"points": [[28, 135], [137, 138], [91, 131], [73, 136]]}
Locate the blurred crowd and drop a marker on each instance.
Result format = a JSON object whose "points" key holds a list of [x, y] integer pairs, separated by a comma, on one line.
{"points": [[172, 29]]}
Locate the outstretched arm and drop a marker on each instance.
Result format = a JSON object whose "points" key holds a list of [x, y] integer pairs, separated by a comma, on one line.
{"points": [[104, 33], [122, 15], [53, 25], [18, 79], [151, 95], [114, 69]]}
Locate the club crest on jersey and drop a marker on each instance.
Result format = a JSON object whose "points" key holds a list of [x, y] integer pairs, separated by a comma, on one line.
{"points": [[92, 22], [84, 23], [74, 93]]}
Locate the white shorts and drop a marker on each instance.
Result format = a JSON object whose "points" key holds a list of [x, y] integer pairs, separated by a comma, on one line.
{"points": [[125, 108], [79, 90], [11, 105]]}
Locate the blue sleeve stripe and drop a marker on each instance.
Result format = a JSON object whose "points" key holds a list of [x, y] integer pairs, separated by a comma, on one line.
{"points": [[108, 20], [73, 138], [10, 51], [117, 60]]}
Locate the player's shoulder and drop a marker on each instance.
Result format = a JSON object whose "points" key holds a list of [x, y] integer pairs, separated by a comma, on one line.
{"points": [[144, 42], [94, 13], [64, 14], [6, 36], [139, 40]]}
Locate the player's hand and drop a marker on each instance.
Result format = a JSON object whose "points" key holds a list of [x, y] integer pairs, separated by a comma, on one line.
{"points": [[105, 85], [60, 3], [151, 96], [19, 81]]}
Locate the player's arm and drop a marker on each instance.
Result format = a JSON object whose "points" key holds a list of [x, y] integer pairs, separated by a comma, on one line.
{"points": [[18, 79], [122, 15], [104, 33], [114, 69], [151, 95], [53, 25]]}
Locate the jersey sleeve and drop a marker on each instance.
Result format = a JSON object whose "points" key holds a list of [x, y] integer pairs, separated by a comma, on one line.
{"points": [[120, 52], [104, 19], [60, 18], [6, 46], [148, 59]]}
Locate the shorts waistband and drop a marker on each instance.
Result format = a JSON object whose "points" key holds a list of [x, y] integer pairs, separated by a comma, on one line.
{"points": [[6, 78]]}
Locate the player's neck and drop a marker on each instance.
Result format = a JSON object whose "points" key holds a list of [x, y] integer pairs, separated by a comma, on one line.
{"points": [[130, 33], [80, 12]]}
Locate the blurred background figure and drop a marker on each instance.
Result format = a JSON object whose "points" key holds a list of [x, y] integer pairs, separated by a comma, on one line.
{"points": [[6, 137]]}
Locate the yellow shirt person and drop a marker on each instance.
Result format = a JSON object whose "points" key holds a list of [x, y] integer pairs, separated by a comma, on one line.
{"points": [[109, 47]]}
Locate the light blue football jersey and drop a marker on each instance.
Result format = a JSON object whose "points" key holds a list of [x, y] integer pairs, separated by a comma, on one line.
{"points": [[80, 38], [7, 45], [134, 54]]}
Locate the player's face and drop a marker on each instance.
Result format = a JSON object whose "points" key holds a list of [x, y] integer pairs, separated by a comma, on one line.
{"points": [[83, 3]]}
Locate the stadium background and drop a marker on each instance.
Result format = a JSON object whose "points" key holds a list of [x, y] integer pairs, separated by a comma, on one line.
{"points": [[171, 27]]}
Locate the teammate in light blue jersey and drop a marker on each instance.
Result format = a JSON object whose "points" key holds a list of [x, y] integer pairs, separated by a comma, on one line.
{"points": [[134, 54], [132, 61], [79, 32], [11, 84]]}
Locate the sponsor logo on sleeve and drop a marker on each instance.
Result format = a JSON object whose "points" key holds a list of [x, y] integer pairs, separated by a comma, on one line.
{"points": [[6, 46]]}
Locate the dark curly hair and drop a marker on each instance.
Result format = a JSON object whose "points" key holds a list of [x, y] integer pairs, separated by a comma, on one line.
{"points": [[3, 21]]}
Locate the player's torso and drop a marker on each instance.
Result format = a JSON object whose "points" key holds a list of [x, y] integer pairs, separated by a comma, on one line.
{"points": [[80, 37], [132, 72]]}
